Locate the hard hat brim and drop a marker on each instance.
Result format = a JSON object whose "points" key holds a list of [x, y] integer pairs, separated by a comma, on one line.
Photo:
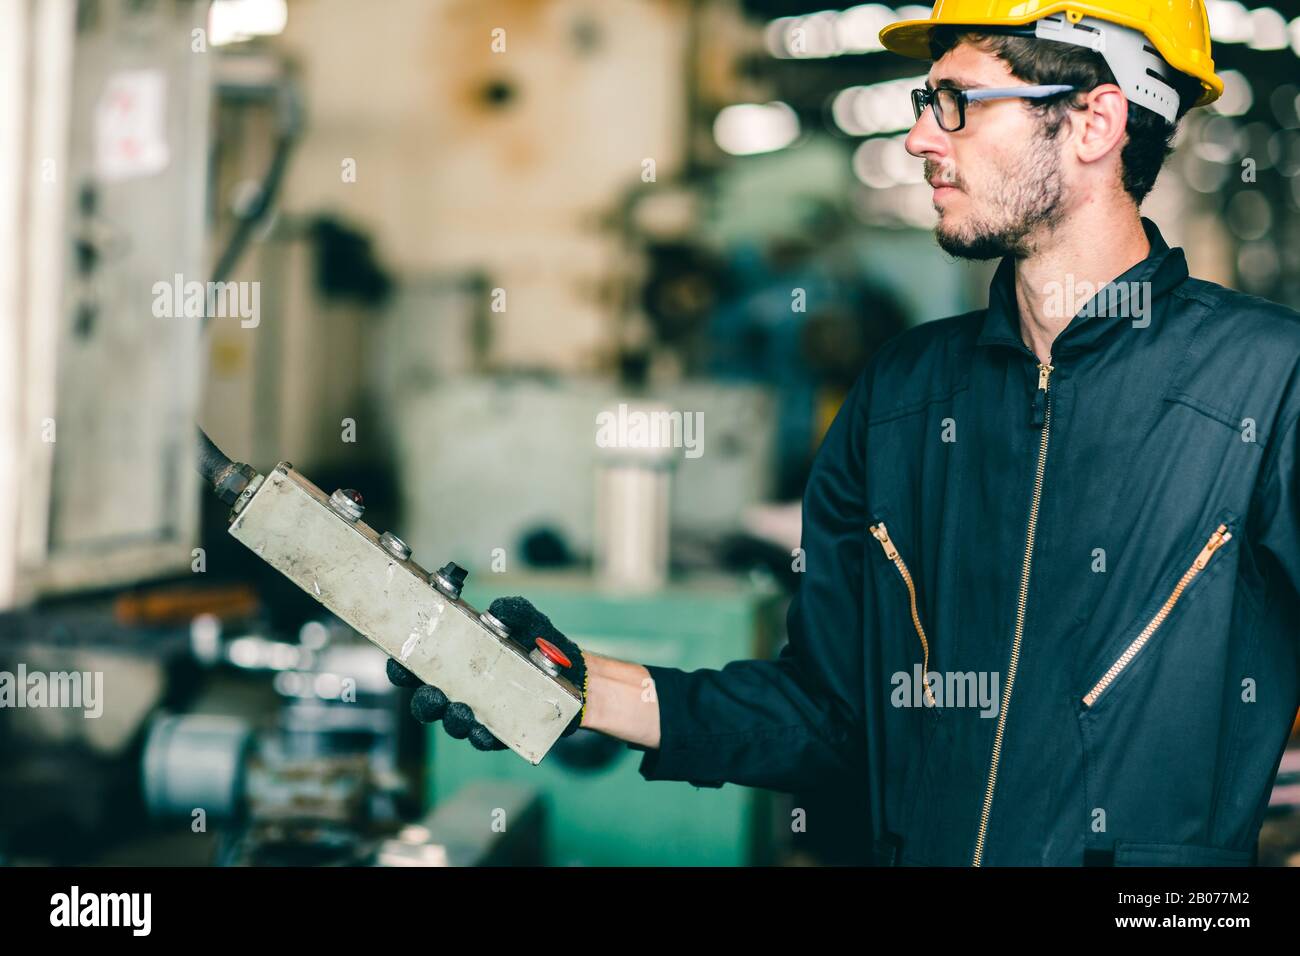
{"points": [[909, 38]]}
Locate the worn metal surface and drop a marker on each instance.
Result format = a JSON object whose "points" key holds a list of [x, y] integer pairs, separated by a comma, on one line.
{"points": [[290, 525]]}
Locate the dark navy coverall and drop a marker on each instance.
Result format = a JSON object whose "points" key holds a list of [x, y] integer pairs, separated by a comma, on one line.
{"points": [[1111, 541]]}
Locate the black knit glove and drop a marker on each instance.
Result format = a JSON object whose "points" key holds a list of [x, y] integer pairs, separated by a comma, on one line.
{"points": [[525, 624]]}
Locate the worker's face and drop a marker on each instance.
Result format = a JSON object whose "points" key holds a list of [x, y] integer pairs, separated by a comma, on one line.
{"points": [[997, 181]]}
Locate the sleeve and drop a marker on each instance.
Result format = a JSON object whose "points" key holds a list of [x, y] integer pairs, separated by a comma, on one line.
{"points": [[795, 722], [1279, 505]]}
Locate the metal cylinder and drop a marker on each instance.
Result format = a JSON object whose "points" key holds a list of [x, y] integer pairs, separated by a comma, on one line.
{"points": [[633, 499], [196, 761]]}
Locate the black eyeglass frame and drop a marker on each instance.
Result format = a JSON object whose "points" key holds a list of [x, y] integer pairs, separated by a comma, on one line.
{"points": [[922, 98]]}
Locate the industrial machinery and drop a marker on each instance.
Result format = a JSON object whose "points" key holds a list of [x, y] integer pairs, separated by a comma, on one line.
{"points": [[102, 156], [446, 426], [312, 780], [417, 617]]}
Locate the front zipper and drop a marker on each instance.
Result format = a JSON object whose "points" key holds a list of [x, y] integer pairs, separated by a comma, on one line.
{"points": [[1041, 416], [1218, 539], [881, 534]]}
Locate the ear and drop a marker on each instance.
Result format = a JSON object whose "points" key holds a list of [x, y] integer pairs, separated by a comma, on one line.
{"points": [[1100, 125]]}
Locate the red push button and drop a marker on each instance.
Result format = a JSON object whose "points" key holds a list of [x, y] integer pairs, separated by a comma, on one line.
{"points": [[553, 653]]}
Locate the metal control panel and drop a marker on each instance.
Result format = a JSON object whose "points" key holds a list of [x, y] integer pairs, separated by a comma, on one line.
{"points": [[319, 542]]}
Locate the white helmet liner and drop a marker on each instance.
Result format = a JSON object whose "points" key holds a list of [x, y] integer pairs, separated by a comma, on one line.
{"points": [[1139, 69]]}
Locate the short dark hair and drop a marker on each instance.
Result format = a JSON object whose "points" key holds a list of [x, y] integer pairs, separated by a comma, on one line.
{"points": [[1150, 136]]}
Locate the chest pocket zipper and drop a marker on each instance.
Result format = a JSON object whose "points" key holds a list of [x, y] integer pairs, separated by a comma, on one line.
{"points": [[881, 534], [1217, 540]]}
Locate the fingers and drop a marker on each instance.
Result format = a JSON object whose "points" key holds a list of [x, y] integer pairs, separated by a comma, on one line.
{"points": [[428, 704], [460, 723], [399, 675], [518, 614], [524, 621], [483, 739], [459, 720]]}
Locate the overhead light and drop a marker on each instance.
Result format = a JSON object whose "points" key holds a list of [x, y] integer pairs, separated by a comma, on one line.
{"points": [[1205, 176], [869, 164], [746, 129], [913, 12], [905, 168], [835, 33], [1229, 21], [812, 36], [857, 29], [234, 21], [1268, 30], [1237, 97], [1284, 101], [884, 162], [1248, 215], [774, 36], [1220, 140], [1258, 264], [876, 108], [1284, 151]]}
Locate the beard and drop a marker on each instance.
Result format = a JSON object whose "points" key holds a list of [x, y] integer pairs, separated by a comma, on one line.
{"points": [[1025, 200]]}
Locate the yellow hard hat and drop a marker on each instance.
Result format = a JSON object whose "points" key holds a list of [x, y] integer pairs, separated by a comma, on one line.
{"points": [[1178, 29]]}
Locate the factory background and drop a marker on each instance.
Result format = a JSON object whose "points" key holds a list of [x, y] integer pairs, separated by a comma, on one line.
{"points": [[459, 232]]}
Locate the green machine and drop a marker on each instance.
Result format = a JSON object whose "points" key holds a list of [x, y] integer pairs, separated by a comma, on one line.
{"points": [[599, 811]]}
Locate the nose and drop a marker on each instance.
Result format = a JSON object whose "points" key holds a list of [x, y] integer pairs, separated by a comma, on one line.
{"points": [[926, 139]]}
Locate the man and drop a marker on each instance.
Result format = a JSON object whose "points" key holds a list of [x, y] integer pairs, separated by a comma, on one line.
{"points": [[1077, 511]]}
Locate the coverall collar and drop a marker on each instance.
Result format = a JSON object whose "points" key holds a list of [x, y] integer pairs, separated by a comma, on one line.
{"points": [[1164, 268]]}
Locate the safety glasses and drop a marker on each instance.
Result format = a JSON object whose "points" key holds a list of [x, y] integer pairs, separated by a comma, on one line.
{"points": [[950, 104]]}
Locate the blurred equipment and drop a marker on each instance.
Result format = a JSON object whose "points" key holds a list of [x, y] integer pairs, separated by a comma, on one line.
{"points": [[180, 603], [256, 78], [482, 516], [314, 784], [288, 388], [273, 807], [1279, 838], [196, 761], [102, 160], [489, 823], [684, 285], [70, 779], [809, 356], [415, 616]]}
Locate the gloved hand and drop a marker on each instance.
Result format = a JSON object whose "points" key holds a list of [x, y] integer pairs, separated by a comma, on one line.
{"points": [[525, 624]]}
